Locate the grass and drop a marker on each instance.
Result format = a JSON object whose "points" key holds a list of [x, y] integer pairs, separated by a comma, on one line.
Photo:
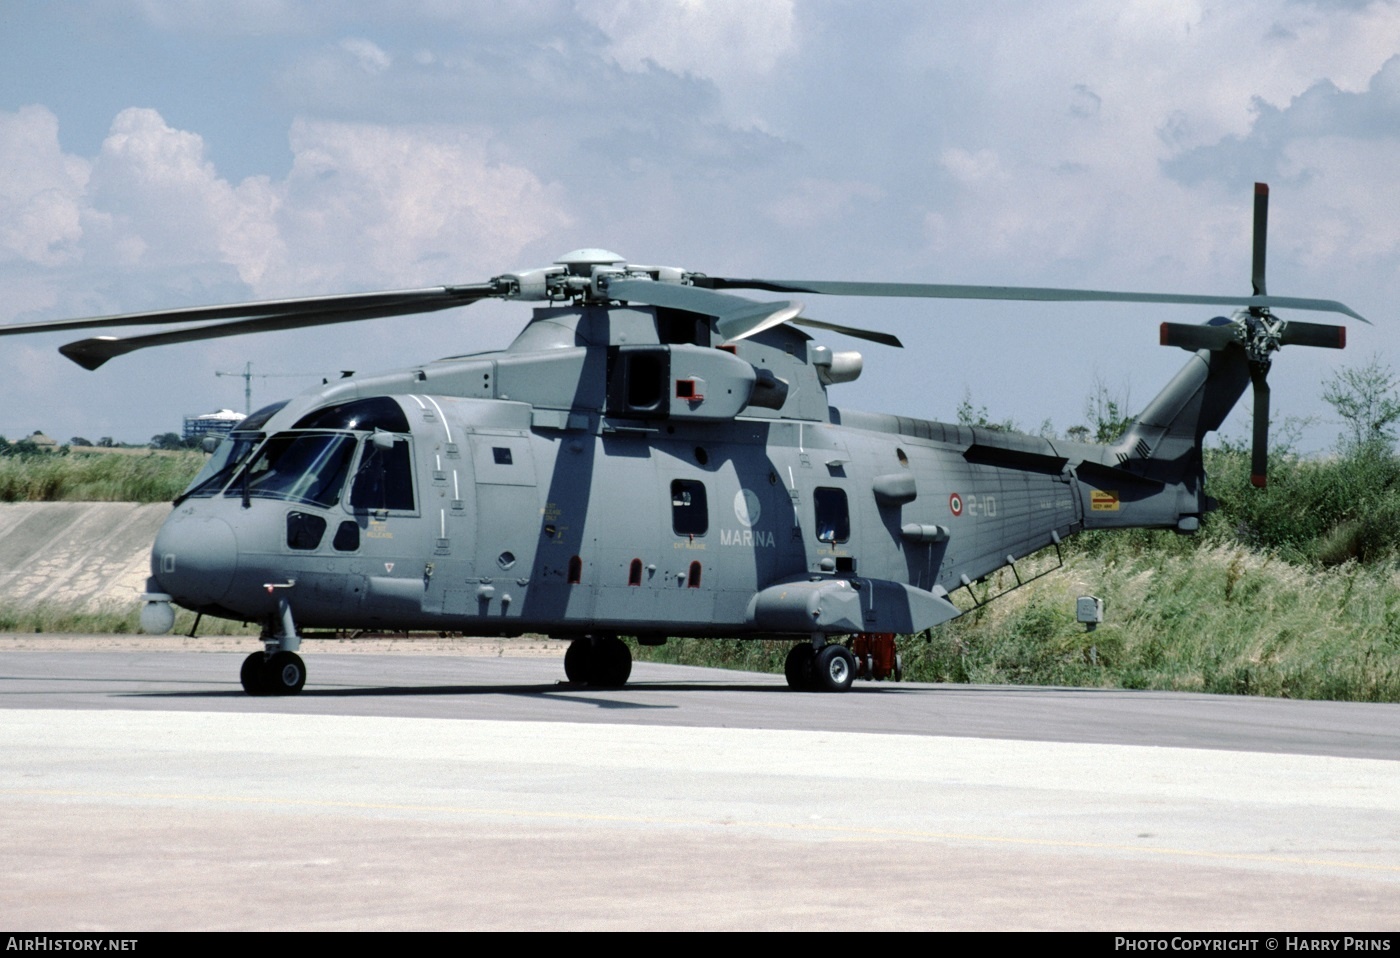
{"points": [[62, 619], [97, 477], [1221, 619]]}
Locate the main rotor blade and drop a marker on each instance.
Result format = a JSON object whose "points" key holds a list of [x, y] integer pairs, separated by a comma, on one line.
{"points": [[92, 353], [1016, 293], [395, 303], [675, 296], [884, 339], [735, 316], [1261, 236], [1259, 453]]}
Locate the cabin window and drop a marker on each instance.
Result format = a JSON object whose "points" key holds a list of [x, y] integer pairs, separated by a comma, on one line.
{"points": [[833, 515], [347, 537], [634, 572], [304, 531], [384, 480], [692, 580], [690, 514], [575, 570]]}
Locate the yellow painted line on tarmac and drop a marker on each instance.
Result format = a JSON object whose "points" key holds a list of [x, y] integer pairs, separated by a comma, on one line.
{"points": [[849, 831]]}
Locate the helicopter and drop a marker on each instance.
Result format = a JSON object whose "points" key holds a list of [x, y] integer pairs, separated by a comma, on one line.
{"points": [[654, 455]]}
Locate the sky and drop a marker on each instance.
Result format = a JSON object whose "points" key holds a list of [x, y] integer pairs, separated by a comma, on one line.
{"points": [[162, 153]]}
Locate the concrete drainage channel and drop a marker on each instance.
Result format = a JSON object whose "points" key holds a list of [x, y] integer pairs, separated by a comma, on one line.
{"points": [[85, 555]]}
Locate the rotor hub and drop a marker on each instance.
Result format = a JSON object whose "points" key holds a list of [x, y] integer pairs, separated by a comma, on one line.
{"points": [[1262, 335], [580, 262]]}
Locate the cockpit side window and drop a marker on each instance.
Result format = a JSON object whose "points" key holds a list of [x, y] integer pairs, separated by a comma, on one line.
{"points": [[227, 457], [259, 419], [300, 467], [384, 480], [363, 415]]}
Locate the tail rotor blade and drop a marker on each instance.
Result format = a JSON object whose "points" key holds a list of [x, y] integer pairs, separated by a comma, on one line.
{"points": [[1313, 334], [1261, 236], [1193, 337], [1259, 455]]}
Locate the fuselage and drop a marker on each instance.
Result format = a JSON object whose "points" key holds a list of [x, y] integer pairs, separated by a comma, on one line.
{"points": [[467, 517]]}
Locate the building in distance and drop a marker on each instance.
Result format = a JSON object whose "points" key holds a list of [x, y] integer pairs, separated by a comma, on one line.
{"points": [[211, 424]]}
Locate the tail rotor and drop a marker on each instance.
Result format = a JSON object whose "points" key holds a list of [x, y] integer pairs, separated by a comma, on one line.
{"points": [[1259, 333]]}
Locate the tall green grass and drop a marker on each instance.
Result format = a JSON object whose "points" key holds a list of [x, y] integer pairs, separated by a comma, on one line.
{"points": [[97, 477], [61, 619], [1218, 618]]}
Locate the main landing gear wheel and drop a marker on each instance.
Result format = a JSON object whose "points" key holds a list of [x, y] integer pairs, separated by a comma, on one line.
{"points": [[601, 661], [251, 675], [798, 667], [834, 669], [282, 673]]}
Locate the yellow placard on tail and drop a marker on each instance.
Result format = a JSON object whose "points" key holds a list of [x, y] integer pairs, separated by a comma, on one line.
{"points": [[1103, 500]]}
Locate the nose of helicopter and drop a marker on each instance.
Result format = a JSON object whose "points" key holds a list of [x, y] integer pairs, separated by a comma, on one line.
{"points": [[194, 559]]}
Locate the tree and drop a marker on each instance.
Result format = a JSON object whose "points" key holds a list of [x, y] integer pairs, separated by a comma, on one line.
{"points": [[1365, 399], [79, 441], [1106, 412], [968, 416], [167, 440]]}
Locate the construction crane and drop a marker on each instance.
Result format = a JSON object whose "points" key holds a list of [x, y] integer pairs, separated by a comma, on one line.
{"points": [[248, 375]]}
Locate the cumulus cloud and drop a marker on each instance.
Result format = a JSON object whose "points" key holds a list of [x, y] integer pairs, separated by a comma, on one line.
{"points": [[363, 204], [812, 203], [163, 203], [1322, 110], [424, 205], [1090, 143], [247, 17], [727, 41], [41, 193], [367, 54]]}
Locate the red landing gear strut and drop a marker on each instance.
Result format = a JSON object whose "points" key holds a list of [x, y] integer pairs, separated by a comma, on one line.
{"points": [[876, 656]]}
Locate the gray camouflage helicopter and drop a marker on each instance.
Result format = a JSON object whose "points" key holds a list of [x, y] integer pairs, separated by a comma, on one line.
{"points": [[652, 456]]}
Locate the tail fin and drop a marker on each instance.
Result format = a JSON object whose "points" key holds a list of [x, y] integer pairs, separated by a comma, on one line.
{"points": [[1153, 475], [1156, 465]]}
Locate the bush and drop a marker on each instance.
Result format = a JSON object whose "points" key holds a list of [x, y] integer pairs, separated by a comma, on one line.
{"points": [[1314, 511]]}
